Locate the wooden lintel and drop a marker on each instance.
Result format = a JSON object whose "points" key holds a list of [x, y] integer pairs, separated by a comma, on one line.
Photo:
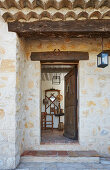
{"points": [[65, 56], [56, 70], [60, 63], [76, 28]]}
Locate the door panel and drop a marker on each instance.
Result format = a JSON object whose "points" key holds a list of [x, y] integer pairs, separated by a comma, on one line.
{"points": [[70, 125]]}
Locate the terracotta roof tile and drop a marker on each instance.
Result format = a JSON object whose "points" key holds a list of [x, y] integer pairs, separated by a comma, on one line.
{"points": [[28, 10]]}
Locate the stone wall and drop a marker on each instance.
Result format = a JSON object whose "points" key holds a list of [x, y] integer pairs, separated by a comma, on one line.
{"points": [[94, 95], [8, 155], [94, 106], [12, 99], [20, 97], [32, 107], [20, 87]]}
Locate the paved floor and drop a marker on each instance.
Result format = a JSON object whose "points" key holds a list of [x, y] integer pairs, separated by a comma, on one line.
{"points": [[103, 165], [55, 136]]}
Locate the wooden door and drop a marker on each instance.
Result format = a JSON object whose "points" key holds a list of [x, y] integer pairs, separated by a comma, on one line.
{"points": [[70, 123]]}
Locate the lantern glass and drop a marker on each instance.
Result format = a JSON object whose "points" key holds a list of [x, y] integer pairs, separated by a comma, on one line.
{"points": [[102, 60], [98, 60]]}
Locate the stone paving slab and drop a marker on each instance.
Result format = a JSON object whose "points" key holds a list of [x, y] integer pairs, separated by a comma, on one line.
{"points": [[60, 156], [63, 166], [63, 159], [105, 161]]}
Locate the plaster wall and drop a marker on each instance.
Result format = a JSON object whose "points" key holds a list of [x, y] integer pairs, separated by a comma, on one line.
{"points": [[94, 96]]}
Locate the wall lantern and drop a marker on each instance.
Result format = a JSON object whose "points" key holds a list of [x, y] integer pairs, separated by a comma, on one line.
{"points": [[56, 80], [102, 58]]}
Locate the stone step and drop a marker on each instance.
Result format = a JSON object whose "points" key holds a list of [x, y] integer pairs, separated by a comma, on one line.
{"points": [[105, 160], [60, 156]]}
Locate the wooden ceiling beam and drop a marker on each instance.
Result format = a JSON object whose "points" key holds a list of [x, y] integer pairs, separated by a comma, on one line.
{"points": [[47, 29], [65, 56], [98, 25]]}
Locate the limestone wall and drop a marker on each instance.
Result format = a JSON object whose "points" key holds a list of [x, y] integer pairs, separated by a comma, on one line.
{"points": [[32, 107], [8, 156], [94, 95], [20, 94], [94, 105], [20, 97], [12, 99]]}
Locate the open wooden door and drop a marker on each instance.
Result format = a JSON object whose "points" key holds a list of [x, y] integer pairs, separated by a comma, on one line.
{"points": [[70, 124]]}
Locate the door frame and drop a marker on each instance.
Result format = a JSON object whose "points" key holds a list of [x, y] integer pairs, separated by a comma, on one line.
{"points": [[77, 86]]}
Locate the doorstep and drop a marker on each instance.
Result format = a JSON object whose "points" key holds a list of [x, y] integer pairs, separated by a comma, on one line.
{"points": [[60, 156]]}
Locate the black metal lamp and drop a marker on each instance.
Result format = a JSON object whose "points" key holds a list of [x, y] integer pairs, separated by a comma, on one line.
{"points": [[56, 80], [102, 58]]}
